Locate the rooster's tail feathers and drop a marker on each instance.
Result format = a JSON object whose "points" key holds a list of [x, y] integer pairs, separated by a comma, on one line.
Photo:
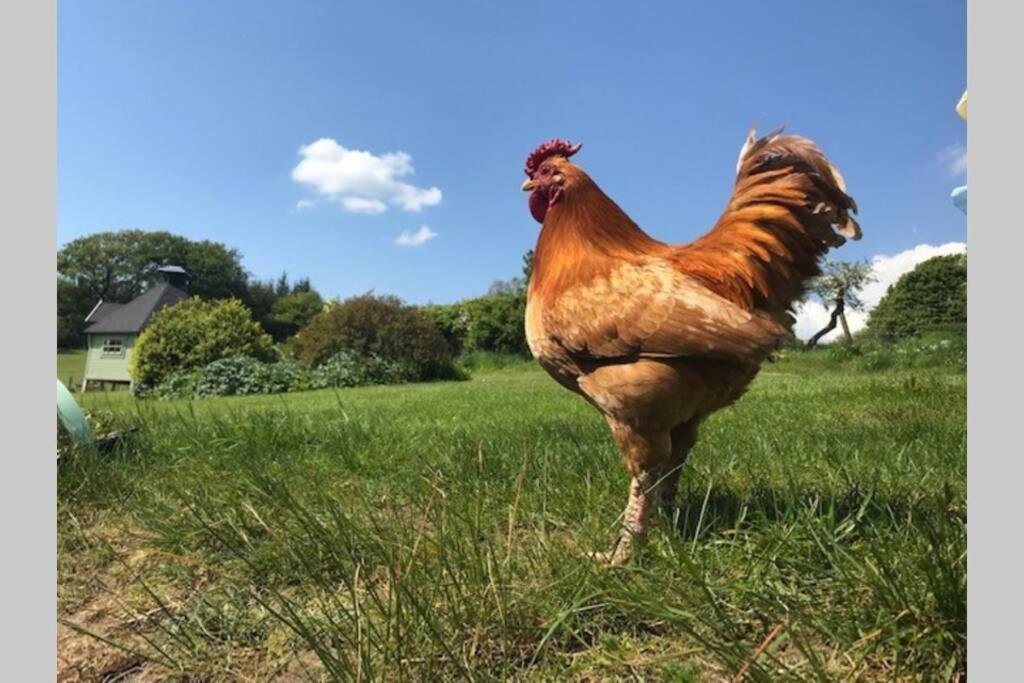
{"points": [[789, 207]]}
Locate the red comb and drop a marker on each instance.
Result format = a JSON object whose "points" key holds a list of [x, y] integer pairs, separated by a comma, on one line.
{"points": [[549, 149]]}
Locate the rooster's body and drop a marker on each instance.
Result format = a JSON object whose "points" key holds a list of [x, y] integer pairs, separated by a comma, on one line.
{"points": [[657, 336]]}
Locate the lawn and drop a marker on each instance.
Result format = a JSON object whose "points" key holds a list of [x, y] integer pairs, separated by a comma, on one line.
{"points": [[71, 368], [443, 531]]}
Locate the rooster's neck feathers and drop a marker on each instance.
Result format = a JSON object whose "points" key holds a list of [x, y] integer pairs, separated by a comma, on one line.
{"points": [[583, 236]]}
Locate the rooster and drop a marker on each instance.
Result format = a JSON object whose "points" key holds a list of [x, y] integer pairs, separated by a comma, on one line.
{"points": [[655, 336]]}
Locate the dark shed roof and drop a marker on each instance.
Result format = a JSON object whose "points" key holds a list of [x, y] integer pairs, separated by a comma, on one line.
{"points": [[102, 310], [134, 315]]}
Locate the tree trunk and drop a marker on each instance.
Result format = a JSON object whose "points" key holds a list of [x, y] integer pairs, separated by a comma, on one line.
{"points": [[846, 328], [837, 313]]}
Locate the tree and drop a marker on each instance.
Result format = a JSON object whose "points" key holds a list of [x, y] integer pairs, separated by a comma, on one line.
{"points": [[281, 307], [839, 284], [291, 312], [118, 266], [933, 294]]}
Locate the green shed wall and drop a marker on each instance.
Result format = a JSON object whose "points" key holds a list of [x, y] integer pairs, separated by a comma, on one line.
{"points": [[103, 367]]}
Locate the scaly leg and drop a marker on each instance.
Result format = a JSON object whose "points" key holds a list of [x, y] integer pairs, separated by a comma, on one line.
{"points": [[683, 439], [637, 517], [644, 456]]}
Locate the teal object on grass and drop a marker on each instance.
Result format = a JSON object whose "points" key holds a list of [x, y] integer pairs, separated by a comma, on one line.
{"points": [[72, 417], [959, 197]]}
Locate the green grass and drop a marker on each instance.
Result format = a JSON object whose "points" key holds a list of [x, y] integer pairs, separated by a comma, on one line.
{"points": [[71, 368], [441, 532]]}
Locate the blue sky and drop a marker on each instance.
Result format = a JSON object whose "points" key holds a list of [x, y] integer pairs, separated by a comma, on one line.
{"points": [[190, 117]]}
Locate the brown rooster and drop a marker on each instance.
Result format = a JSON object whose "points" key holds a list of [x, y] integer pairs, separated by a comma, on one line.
{"points": [[658, 336]]}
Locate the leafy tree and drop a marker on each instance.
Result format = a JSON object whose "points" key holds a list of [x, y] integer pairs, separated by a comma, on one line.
{"points": [[192, 334], [381, 326], [839, 285], [281, 307], [291, 312], [527, 266], [934, 294], [118, 266]]}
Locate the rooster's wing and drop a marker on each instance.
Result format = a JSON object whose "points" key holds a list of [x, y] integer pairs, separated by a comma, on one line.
{"points": [[652, 310]]}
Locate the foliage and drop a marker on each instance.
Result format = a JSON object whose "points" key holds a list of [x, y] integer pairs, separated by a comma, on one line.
{"points": [[934, 293], [379, 326], [490, 324], [493, 323], [292, 312], [192, 334], [938, 348], [842, 279], [496, 323], [118, 266], [242, 375], [281, 307], [452, 321], [348, 369]]}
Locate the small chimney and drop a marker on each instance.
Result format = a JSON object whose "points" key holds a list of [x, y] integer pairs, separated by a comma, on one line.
{"points": [[175, 275]]}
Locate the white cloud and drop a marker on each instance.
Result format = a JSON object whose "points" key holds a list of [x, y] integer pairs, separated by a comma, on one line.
{"points": [[813, 315], [304, 204], [360, 181], [415, 239], [364, 205], [954, 158]]}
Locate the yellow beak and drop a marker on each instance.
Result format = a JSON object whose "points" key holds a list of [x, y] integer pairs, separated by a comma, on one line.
{"points": [[528, 185]]}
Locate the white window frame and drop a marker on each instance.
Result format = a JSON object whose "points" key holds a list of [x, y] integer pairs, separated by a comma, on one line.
{"points": [[113, 347]]}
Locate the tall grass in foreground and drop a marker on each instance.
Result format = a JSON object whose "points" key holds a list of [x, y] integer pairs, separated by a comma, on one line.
{"points": [[442, 532]]}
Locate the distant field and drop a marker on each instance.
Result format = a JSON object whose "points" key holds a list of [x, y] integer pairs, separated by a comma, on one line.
{"points": [[442, 531], [71, 368]]}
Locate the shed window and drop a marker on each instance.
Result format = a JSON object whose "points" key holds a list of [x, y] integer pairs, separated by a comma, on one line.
{"points": [[113, 347]]}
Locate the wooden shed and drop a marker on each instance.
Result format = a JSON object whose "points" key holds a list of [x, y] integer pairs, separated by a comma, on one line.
{"points": [[116, 326]]}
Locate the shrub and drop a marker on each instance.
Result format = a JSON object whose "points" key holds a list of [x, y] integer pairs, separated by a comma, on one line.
{"points": [[375, 326], [489, 324], [496, 323], [349, 369], [192, 334], [452, 321], [180, 384], [243, 376], [932, 295]]}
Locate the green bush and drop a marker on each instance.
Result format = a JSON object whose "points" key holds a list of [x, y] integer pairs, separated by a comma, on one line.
{"points": [[371, 326], [349, 369], [452, 321], [497, 323], [243, 376], [931, 296], [192, 334], [489, 324]]}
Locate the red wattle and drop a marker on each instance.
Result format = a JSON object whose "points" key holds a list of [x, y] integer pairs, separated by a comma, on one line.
{"points": [[539, 204]]}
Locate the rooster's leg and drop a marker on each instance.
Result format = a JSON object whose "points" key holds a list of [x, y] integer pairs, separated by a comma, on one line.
{"points": [[683, 439], [637, 517], [644, 456]]}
